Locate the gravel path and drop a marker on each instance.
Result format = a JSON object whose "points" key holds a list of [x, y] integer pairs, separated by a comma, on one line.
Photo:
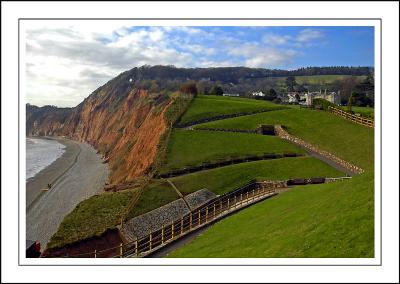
{"points": [[75, 176]]}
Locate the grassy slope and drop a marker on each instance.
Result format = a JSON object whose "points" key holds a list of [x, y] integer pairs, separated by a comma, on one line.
{"points": [[323, 79], [91, 217], [211, 106], [348, 140], [309, 221], [191, 148], [227, 178], [328, 220]]}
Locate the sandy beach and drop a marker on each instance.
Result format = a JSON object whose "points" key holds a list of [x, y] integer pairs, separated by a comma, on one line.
{"points": [[78, 174]]}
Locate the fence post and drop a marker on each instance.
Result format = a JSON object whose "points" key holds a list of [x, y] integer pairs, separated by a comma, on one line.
{"points": [[136, 248], [120, 250], [190, 221], [199, 218], [162, 234], [228, 204], [253, 194], [214, 212], [206, 214], [181, 225], [241, 198], [172, 229], [247, 197], [234, 201], [220, 206], [150, 242], [95, 253]]}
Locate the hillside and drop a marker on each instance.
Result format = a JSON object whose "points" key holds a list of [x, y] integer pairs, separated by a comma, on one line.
{"points": [[326, 220]]}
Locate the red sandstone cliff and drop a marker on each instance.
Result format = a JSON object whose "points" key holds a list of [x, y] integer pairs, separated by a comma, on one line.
{"points": [[124, 123]]}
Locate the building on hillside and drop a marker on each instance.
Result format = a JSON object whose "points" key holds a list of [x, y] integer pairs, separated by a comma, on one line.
{"points": [[332, 97], [292, 97], [258, 94], [307, 98], [230, 95]]}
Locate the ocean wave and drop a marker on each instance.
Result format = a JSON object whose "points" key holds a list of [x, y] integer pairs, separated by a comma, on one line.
{"points": [[40, 153]]}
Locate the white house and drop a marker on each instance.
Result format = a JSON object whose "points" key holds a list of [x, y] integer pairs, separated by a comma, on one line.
{"points": [[258, 94]]}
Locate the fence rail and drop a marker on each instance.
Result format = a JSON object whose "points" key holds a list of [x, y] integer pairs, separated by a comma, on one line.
{"points": [[195, 220], [209, 212], [202, 216], [357, 119]]}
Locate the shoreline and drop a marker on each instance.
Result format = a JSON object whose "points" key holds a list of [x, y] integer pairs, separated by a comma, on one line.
{"points": [[52, 172], [77, 174]]}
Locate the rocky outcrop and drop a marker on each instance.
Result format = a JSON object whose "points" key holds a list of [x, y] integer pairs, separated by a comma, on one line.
{"points": [[123, 122]]}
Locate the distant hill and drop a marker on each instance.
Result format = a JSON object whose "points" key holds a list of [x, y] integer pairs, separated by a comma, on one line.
{"points": [[235, 74]]}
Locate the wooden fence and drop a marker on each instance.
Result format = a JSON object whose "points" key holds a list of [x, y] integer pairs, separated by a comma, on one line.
{"points": [[194, 220], [202, 216], [357, 119]]}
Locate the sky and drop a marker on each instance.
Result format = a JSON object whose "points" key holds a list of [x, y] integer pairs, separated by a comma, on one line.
{"points": [[66, 60]]}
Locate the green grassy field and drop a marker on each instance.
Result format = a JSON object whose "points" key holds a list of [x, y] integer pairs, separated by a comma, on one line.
{"points": [[91, 217], [344, 138], [327, 220], [316, 80], [211, 106], [191, 148], [324, 79], [225, 179]]}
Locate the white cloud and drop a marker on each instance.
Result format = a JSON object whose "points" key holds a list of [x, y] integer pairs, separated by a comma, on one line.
{"points": [[308, 35], [274, 39], [65, 63], [67, 60], [256, 55]]}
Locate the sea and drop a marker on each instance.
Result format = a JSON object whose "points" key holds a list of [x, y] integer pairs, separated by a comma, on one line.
{"points": [[41, 153]]}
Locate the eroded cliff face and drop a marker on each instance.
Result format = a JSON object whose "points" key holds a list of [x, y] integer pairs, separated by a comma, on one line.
{"points": [[124, 123]]}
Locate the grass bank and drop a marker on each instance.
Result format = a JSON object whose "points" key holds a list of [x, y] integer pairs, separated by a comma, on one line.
{"points": [[348, 140], [327, 220], [210, 106], [192, 148], [225, 179], [92, 217]]}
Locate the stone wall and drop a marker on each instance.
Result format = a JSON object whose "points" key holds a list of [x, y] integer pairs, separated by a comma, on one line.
{"points": [[142, 225]]}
